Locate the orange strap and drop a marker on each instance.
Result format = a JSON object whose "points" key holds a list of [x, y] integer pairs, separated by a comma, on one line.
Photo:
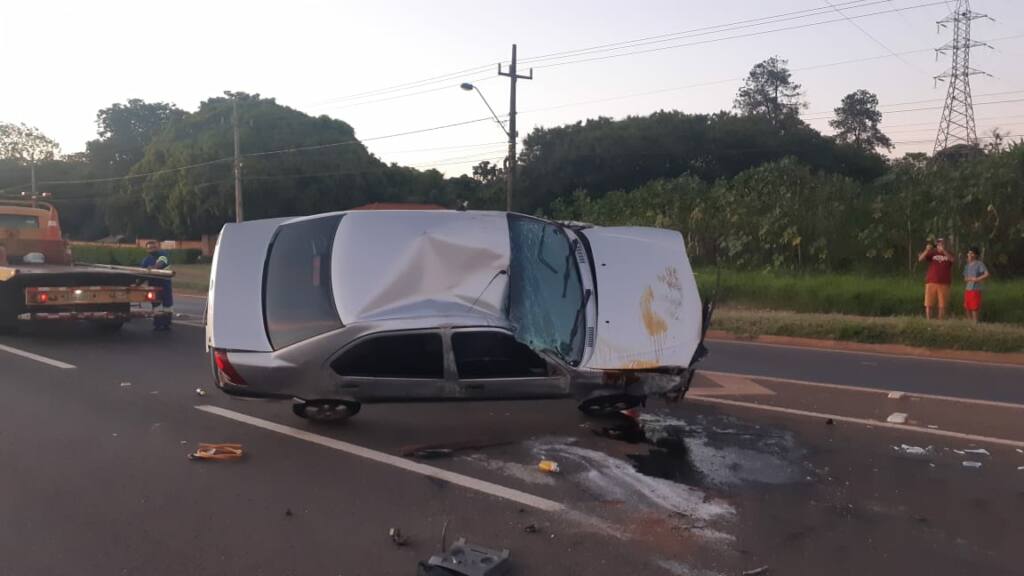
{"points": [[207, 451]]}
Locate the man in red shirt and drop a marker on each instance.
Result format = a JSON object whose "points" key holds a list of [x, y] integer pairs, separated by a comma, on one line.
{"points": [[938, 279]]}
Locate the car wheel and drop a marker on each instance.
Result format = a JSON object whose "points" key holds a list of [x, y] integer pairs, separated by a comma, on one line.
{"points": [[607, 405], [325, 411]]}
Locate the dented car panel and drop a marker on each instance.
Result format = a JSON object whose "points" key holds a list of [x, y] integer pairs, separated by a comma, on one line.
{"points": [[649, 310], [377, 306]]}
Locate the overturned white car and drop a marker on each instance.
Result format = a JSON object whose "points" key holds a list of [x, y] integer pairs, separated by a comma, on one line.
{"points": [[340, 309]]}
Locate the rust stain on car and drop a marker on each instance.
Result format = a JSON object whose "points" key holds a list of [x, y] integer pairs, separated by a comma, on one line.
{"points": [[640, 364], [653, 323]]}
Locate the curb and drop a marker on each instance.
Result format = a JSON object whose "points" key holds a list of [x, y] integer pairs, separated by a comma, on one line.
{"points": [[1011, 358]]}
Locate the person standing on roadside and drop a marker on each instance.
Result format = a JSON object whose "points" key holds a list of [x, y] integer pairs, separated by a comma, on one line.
{"points": [[975, 274], [938, 278]]}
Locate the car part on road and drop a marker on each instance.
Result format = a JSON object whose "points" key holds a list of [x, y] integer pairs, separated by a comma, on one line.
{"points": [[548, 466], [608, 405], [971, 464], [762, 571], [897, 418], [397, 537], [325, 411], [200, 392], [207, 451], [468, 560]]}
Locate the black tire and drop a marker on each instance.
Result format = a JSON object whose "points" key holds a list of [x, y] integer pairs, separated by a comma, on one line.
{"points": [[325, 411], [608, 405]]}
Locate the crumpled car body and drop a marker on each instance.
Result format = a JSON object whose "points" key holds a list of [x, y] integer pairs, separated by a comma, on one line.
{"points": [[393, 305]]}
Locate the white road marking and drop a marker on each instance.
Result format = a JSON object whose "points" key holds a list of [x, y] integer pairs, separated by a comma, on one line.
{"points": [[864, 421], [36, 357], [390, 460], [869, 390], [867, 353]]}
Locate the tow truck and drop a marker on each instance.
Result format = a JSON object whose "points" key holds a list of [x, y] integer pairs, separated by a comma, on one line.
{"points": [[39, 280]]}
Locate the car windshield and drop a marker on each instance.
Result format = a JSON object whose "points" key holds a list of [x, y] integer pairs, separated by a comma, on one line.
{"points": [[545, 292], [298, 299]]}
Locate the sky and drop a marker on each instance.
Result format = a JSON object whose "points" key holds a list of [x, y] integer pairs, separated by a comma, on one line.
{"points": [[67, 59]]}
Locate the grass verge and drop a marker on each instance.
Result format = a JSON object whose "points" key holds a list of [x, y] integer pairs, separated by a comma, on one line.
{"points": [[191, 277], [910, 331]]}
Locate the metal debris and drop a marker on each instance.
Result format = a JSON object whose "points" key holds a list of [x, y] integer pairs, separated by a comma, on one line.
{"points": [[548, 466], [397, 537], [977, 451], [897, 418], [912, 450], [469, 560], [971, 464], [756, 571]]}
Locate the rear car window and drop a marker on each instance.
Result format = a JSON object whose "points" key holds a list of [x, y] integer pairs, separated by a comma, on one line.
{"points": [[482, 355], [298, 301], [395, 356], [18, 222]]}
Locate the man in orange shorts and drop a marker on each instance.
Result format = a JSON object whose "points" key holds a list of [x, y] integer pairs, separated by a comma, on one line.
{"points": [[938, 279], [975, 274]]}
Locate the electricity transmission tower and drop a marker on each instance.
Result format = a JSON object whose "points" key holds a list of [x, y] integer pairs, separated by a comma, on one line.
{"points": [[957, 123]]}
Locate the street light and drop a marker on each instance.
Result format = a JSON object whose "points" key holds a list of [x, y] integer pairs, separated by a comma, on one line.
{"points": [[510, 160]]}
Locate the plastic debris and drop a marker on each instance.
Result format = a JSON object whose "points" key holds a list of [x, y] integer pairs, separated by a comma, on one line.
{"points": [[977, 451], [468, 560], [200, 392], [530, 528], [897, 418], [397, 537], [757, 571], [548, 466], [125, 384], [207, 451], [912, 450], [895, 395], [971, 464]]}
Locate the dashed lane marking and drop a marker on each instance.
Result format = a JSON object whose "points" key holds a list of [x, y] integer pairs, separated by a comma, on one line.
{"points": [[394, 461], [36, 357]]}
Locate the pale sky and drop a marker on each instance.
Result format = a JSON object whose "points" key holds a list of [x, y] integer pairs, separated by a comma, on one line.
{"points": [[64, 60]]}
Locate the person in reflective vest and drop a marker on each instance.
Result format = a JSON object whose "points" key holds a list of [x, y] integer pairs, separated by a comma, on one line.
{"points": [[163, 307]]}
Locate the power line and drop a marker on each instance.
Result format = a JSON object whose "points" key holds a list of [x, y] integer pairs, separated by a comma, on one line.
{"points": [[407, 85], [735, 37], [873, 38]]}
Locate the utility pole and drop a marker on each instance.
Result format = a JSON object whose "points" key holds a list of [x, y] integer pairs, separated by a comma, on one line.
{"points": [[957, 123], [32, 169], [510, 170], [239, 216]]}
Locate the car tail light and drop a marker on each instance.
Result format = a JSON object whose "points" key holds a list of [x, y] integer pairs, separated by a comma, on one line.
{"points": [[151, 296], [42, 297], [225, 371]]}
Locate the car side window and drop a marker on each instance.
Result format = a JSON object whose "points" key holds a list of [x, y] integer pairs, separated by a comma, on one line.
{"points": [[487, 354], [417, 356]]}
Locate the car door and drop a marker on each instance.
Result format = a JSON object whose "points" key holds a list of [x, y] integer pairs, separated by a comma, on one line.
{"points": [[493, 364], [393, 366]]}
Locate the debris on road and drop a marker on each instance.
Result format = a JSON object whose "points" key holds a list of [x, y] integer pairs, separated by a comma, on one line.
{"points": [[977, 451], [1019, 451], [432, 453], [428, 451], [207, 451], [933, 426], [830, 422], [757, 571], [897, 418], [971, 464], [895, 395], [530, 528], [912, 450], [288, 512], [548, 466], [125, 384], [397, 537], [468, 560], [1020, 467], [200, 392]]}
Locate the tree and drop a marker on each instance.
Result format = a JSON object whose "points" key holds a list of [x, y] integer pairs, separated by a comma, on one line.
{"points": [[857, 119], [26, 144], [769, 91], [125, 130]]}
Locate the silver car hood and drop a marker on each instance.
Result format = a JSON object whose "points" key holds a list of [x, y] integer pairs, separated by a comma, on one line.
{"points": [[648, 306], [234, 313]]}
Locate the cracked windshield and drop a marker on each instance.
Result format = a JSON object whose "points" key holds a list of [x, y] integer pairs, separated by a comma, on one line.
{"points": [[669, 288]]}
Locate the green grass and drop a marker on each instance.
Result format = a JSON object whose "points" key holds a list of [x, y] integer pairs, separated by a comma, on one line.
{"points": [[191, 277], [877, 296], [947, 334]]}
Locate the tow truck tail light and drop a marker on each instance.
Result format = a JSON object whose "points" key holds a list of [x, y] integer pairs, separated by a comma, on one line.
{"points": [[42, 297], [225, 371], [151, 296]]}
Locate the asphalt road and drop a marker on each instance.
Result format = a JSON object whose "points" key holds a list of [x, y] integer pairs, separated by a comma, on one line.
{"points": [[746, 473]]}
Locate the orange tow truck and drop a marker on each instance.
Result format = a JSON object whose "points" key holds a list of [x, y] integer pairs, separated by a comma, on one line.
{"points": [[39, 281]]}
